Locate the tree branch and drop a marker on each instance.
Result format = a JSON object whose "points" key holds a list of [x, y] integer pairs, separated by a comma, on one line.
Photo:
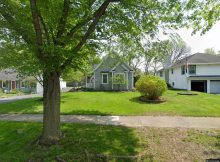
{"points": [[63, 19], [81, 23], [37, 27], [77, 26], [97, 15], [45, 28], [39, 79], [10, 17]]}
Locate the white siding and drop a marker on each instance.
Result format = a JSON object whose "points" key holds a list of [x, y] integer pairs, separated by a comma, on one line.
{"points": [[179, 80], [62, 84], [39, 88], [207, 69], [161, 77]]}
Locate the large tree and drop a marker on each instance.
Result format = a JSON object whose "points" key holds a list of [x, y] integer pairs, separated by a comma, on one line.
{"points": [[55, 35]]}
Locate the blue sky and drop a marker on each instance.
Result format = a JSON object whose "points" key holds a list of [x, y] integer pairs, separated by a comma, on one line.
{"points": [[198, 43]]}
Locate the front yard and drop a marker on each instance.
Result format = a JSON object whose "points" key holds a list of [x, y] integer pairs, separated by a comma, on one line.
{"points": [[123, 103], [108, 143]]}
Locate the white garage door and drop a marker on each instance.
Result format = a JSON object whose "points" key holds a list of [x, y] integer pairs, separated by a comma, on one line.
{"points": [[215, 86]]}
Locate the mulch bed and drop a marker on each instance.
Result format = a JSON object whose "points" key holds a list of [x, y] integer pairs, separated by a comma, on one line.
{"points": [[187, 93], [144, 99]]}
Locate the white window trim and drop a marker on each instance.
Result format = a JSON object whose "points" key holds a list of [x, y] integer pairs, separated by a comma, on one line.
{"points": [[121, 73], [102, 78], [191, 69], [3, 83]]}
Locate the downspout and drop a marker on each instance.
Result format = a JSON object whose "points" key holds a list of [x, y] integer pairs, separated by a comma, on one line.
{"points": [[127, 79], [86, 81], [112, 80], [94, 81], [132, 79]]}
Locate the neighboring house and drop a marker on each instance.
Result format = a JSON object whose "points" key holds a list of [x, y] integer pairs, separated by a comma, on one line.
{"points": [[10, 80], [198, 72], [111, 74]]}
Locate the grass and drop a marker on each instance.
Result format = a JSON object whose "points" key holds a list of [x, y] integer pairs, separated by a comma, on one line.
{"points": [[10, 94], [123, 103], [6, 95], [87, 142]]}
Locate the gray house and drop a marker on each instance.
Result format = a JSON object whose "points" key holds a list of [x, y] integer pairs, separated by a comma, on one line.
{"points": [[10, 80], [111, 74]]}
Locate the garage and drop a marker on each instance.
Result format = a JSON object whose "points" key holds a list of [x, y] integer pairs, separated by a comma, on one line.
{"points": [[199, 85], [215, 86]]}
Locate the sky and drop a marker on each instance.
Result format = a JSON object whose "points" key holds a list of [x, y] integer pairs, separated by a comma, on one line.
{"points": [[198, 43]]}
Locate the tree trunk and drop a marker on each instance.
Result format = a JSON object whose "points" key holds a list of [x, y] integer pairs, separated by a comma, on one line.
{"points": [[51, 105]]}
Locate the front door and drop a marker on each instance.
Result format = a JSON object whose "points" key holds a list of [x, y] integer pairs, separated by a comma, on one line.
{"points": [[13, 84]]}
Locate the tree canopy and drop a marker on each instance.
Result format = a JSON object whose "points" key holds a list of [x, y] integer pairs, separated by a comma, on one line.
{"points": [[50, 36]]}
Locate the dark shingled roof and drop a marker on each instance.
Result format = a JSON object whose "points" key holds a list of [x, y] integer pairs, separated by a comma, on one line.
{"points": [[199, 58], [8, 74]]}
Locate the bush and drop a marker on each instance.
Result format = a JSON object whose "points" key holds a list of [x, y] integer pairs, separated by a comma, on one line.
{"points": [[151, 87], [1, 91], [14, 91]]}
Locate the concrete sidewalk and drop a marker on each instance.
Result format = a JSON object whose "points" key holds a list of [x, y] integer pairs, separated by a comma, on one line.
{"points": [[129, 121]]}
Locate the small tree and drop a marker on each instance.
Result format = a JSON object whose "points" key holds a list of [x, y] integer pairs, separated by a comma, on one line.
{"points": [[151, 87], [119, 80]]}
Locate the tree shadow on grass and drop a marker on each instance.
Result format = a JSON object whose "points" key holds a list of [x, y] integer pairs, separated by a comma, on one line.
{"points": [[31, 105], [81, 143], [86, 112]]}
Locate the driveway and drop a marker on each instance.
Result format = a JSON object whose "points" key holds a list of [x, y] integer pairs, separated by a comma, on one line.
{"points": [[129, 121]]}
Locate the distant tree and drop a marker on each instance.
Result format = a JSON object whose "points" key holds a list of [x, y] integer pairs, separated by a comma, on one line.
{"points": [[156, 55], [210, 51], [73, 76], [180, 48], [127, 50], [119, 80]]}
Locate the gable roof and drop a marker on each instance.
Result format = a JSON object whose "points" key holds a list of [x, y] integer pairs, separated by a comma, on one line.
{"points": [[113, 63], [199, 58], [8, 74]]}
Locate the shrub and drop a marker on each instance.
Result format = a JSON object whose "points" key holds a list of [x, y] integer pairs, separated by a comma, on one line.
{"points": [[14, 91], [151, 87]]}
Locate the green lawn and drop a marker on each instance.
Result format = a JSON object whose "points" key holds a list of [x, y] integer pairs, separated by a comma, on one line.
{"points": [[6, 95], [97, 143], [123, 103]]}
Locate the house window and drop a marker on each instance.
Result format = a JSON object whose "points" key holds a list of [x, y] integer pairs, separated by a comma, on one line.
{"points": [[105, 78], [161, 73], [24, 84], [33, 84], [173, 84], [192, 69], [119, 78], [4, 84], [183, 70], [172, 71]]}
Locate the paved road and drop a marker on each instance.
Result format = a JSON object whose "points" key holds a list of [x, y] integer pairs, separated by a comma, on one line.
{"points": [[129, 121], [14, 98]]}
